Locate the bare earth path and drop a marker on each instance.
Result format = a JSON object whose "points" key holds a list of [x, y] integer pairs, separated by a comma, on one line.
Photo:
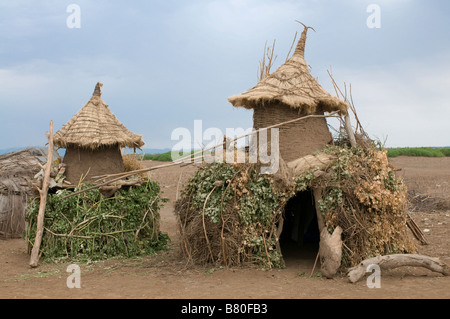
{"points": [[167, 276]]}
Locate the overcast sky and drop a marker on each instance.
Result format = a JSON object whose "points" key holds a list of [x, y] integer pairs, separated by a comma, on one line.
{"points": [[166, 63]]}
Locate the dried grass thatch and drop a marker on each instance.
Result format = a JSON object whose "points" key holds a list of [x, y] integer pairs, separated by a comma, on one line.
{"points": [[17, 171], [95, 126], [293, 85]]}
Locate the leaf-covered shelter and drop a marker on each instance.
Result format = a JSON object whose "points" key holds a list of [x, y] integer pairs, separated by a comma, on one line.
{"points": [[230, 214], [93, 139]]}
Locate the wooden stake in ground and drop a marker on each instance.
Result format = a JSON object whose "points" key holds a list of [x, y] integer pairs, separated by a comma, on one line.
{"points": [[34, 260]]}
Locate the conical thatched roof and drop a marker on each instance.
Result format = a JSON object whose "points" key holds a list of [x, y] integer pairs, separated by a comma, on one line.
{"points": [[292, 85], [95, 126]]}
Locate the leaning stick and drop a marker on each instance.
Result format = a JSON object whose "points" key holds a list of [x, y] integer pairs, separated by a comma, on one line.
{"points": [[347, 122], [315, 263], [204, 226], [183, 159], [34, 260], [416, 230]]}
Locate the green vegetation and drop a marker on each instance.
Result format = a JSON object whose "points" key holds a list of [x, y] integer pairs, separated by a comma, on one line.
{"points": [[164, 157], [418, 151], [90, 226], [392, 152], [238, 209]]}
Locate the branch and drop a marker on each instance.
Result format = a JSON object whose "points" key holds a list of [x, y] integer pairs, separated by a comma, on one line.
{"points": [[183, 159], [394, 261], [34, 260]]}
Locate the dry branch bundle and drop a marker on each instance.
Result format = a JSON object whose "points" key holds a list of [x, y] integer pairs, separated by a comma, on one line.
{"points": [[228, 214], [362, 195]]}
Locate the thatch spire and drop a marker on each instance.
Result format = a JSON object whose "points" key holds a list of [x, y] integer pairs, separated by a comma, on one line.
{"points": [[292, 85], [95, 126], [299, 52], [98, 91]]}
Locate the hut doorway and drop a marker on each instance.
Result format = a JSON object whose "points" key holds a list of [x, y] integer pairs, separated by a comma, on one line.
{"points": [[300, 236]]}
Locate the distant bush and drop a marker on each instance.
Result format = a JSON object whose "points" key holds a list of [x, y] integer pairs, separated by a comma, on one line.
{"points": [[419, 151], [445, 151], [164, 157]]}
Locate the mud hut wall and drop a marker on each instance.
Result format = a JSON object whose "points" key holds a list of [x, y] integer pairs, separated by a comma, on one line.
{"points": [[297, 139], [81, 161]]}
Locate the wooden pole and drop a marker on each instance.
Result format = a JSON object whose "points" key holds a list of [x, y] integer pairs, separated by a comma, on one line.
{"points": [[349, 130], [181, 160], [34, 260]]}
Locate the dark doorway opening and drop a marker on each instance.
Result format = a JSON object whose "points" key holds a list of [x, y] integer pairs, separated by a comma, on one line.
{"points": [[299, 239]]}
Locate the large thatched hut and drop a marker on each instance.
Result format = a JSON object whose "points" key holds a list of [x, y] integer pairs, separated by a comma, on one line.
{"points": [[17, 171], [93, 139], [288, 93], [343, 204]]}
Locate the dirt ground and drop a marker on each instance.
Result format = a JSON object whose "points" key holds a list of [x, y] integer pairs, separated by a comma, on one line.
{"points": [[167, 276]]}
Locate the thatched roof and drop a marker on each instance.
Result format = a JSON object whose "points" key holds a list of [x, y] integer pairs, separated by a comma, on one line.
{"points": [[291, 84], [18, 169], [95, 126]]}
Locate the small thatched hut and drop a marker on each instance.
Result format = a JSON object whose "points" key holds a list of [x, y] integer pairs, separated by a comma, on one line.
{"points": [[288, 93], [17, 171], [93, 139]]}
